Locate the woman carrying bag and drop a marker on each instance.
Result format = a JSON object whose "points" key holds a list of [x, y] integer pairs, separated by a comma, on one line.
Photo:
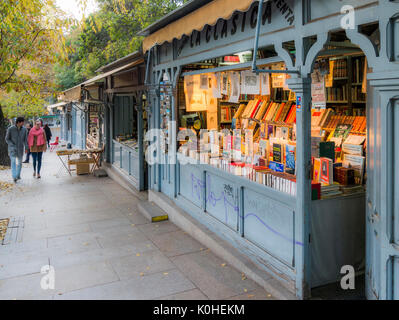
{"points": [[37, 144]]}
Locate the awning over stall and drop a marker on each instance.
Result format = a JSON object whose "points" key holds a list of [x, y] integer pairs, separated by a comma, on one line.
{"points": [[57, 106], [109, 73], [207, 14], [75, 94]]}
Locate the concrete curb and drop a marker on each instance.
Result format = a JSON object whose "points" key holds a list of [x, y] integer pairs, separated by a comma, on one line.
{"points": [[220, 247], [151, 211]]}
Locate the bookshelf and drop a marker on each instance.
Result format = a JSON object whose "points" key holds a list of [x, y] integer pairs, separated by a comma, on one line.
{"points": [[347, 83]]}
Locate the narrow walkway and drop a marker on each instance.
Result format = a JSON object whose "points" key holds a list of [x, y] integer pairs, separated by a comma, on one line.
{"points": [[101, 247]]}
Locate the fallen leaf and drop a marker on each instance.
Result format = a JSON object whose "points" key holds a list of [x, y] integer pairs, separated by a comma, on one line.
{"points": [[165, 273], [132, 225], [148, 268], [250, 295], [141, 274], [223, 264], [85, 243], [245, 290], [138, 254], [269, 295]]}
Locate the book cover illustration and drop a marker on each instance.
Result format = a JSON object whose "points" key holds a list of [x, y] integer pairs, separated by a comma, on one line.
{"points": [[277, 152], [326, 175], [290, 156]]}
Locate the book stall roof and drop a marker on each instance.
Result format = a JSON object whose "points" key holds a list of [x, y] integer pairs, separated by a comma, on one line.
{"points": [[193, 16]]}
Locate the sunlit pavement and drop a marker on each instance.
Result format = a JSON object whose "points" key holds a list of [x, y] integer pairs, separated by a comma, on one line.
{"points": [[99, 246]]}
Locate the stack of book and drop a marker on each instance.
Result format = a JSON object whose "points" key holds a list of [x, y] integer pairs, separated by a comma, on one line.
{"points": [[282, 182], [352, 189], [330, 191]]}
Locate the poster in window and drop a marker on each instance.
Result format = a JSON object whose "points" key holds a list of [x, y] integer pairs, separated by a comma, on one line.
{"points": [[278, 80], [225, 84], [250, 83], [216, 88], [235, 87], [196, 99], [265, 84], [318, 90], [204, 82]]}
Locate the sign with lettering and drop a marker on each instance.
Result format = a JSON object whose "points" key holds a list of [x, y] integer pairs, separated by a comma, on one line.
{"points": [[276, 15]]}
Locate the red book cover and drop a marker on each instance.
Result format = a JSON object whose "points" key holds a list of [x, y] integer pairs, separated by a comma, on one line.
{"points": [[255, 109]]}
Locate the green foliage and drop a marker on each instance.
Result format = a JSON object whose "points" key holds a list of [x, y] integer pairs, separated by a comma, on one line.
{"points": [[31, 40], [107, 35]]}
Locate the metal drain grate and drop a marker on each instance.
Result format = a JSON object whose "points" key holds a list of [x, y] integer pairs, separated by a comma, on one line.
{"points": [[15, 230]]}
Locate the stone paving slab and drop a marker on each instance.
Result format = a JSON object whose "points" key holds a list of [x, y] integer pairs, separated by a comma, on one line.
{"points": [[176, 243], [194, 294], [138, 288], [213, 276], [83, 276], [68, 258], [141, 264], [9, 269], [23, 287], [100, 246], [152, 230]]}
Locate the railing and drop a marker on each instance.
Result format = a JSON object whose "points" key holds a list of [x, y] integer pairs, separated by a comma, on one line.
{"points": [[126, 159]]}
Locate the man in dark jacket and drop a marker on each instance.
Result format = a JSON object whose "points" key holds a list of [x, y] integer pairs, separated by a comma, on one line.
{"points": [[48, 134], [17, 140], [28, 127]]}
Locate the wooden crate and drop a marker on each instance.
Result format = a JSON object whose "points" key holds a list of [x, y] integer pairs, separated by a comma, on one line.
{"points": [[82, 168]]}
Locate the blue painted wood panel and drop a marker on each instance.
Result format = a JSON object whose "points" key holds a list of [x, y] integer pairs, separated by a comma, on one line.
{"points": [[192, 186], [135, 164], [222, 199], [320, 9], [270, 225]]}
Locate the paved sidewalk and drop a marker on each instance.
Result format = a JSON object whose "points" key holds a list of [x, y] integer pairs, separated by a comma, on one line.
{"points": [[101, 247]]}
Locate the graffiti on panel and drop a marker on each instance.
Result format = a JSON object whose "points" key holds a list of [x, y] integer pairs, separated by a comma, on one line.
{"points": [[198, 187]]}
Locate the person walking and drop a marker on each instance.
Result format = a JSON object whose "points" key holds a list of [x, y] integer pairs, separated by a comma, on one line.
{"points": [[17, 140], [47, 130], [37, 144], [28, 127]]}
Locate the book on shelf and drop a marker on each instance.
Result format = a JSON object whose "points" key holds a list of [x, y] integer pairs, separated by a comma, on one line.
{"points": [[340, 68], [357, 164], [326, 173], [278, 152], [316, 169], [290, 157]]}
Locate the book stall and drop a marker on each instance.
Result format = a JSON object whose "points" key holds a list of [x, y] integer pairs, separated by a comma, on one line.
{"points": [[245, 125], [93, 130], [291, 165], [126, 148]]}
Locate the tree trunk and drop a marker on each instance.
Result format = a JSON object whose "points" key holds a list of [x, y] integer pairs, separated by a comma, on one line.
{"points": [[4, 158]]}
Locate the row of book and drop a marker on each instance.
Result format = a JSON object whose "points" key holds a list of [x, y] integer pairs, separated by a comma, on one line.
{"points": [[279, 181], [358, 69], [227, 113], [339, 93], [357, 123], [325, 118], [357, 94], [265, 110], [340, 68]]}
